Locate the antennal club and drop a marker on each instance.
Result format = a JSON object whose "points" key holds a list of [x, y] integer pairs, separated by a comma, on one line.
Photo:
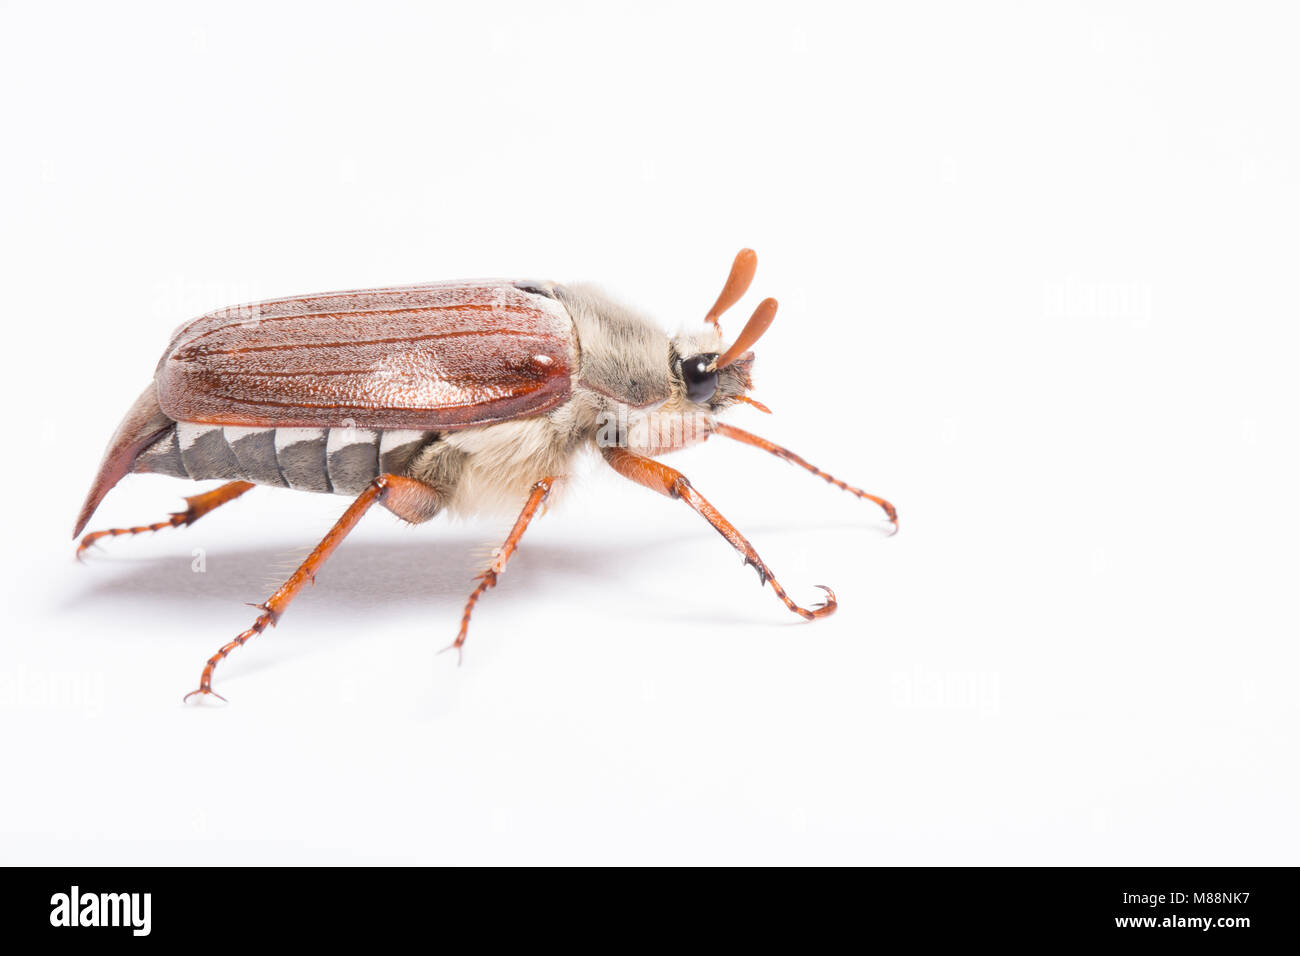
{"points": [[742, 274], [751, 333]]}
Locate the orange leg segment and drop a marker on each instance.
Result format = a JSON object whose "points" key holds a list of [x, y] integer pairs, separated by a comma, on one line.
{"points": [[488, 578], [737, 434], [669, 481], [378, 490], [196, 507]]}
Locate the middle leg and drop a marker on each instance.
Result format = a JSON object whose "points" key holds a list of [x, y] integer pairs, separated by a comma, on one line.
{"points": [[488, 578]]}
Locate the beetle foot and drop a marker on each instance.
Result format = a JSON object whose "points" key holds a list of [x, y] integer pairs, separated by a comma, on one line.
{"points": [[825, 607], [204, 690]]}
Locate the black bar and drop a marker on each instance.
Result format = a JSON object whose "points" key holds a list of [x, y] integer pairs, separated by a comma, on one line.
{"points": [[1177, 905]]}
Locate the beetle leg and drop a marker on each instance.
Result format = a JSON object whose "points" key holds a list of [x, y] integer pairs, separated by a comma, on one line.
{"points": [[737, 434], [668, 481], [196, 507], [378, 490], [488, 578]]}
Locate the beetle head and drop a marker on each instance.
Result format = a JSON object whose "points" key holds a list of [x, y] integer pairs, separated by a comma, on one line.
{"points": [[722, 378]]}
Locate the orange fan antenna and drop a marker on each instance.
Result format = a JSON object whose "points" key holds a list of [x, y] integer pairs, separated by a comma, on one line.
{"points": [[751, 333], [742, 274]]}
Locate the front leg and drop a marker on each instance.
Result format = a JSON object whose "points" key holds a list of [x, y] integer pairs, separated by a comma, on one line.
{"points": [[669, 481], [737, 434]]}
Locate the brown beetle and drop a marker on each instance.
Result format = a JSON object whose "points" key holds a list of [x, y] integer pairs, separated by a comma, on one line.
{"points": [[458, 396]]}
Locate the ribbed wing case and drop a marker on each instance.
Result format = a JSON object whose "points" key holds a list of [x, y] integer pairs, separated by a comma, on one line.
{"points": [[429, 357]]}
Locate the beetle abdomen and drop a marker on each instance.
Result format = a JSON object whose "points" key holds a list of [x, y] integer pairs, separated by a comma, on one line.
{"points": [[332, 460]]}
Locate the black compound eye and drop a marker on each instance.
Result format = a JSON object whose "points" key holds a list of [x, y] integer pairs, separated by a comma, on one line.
{"points": [[700, 383]]}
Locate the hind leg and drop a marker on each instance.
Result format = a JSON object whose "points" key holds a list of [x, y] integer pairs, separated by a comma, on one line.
{"points": [[405, 497], [196, 507]]}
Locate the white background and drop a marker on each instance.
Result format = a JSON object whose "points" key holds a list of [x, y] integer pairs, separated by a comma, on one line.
{"points": [[1037, 272]]}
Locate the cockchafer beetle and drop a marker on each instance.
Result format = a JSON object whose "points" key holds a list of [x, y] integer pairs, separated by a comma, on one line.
{"points": [[456, 396]]}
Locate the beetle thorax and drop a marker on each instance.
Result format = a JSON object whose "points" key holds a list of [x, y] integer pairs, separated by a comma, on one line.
{"points": [[630, 369]]}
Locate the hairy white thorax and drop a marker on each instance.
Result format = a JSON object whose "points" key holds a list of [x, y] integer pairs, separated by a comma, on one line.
{"points": [[502, 463]]}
